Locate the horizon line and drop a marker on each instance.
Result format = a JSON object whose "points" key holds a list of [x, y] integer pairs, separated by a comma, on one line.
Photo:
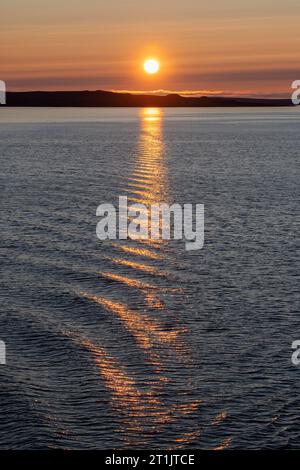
{"points": [[165, 92]]}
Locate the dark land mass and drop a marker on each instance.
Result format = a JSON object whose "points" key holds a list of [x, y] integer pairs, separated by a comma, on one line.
{"points": [[111, 99]]}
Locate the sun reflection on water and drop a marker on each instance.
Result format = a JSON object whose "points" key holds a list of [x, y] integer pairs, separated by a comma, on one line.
{"points": [[156, 332]]}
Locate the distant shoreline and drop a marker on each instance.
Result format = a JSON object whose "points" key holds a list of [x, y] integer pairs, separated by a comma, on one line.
{"points": [[112, 99]]}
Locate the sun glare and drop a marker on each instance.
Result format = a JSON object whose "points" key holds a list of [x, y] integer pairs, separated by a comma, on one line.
{"points": [[151, 66]]}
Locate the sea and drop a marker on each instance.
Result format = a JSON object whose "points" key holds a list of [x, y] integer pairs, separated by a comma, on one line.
{"points": [[142, 344]]}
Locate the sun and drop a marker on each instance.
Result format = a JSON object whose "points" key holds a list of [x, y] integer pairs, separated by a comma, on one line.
{"points": [[151, 66]]}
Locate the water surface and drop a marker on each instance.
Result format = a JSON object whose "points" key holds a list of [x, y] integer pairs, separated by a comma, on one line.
{"points": [[145, 345]]}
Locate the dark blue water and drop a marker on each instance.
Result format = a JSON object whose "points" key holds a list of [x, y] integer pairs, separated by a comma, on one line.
{"points": [[145, 345]]}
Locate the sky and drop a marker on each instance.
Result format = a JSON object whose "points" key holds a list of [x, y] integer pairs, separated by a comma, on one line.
{"points": [[231, 47]]}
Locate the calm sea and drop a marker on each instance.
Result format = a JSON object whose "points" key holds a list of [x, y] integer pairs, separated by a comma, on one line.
{"points": [[145, 345]]}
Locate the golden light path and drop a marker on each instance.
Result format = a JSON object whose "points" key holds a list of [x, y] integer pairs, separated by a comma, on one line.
{"points": [[140, 404]]}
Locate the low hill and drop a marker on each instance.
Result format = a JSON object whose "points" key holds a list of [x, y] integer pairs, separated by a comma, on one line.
{"points": [[112, 99]]}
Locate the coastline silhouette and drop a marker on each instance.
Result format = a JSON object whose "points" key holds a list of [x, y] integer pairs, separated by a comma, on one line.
{"points": [[101, 98]]}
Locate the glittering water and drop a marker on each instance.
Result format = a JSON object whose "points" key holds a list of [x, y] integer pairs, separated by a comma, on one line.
{"points": [[143, 344]]}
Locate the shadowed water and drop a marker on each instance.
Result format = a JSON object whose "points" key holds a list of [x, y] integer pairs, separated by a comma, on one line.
{"points": [[141, 344]]}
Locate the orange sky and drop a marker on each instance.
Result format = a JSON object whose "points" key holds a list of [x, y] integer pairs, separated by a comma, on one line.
{"points": [[219, 46]]}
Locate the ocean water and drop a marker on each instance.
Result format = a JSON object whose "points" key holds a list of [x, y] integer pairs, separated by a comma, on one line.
{"points": [[131, 345]]}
